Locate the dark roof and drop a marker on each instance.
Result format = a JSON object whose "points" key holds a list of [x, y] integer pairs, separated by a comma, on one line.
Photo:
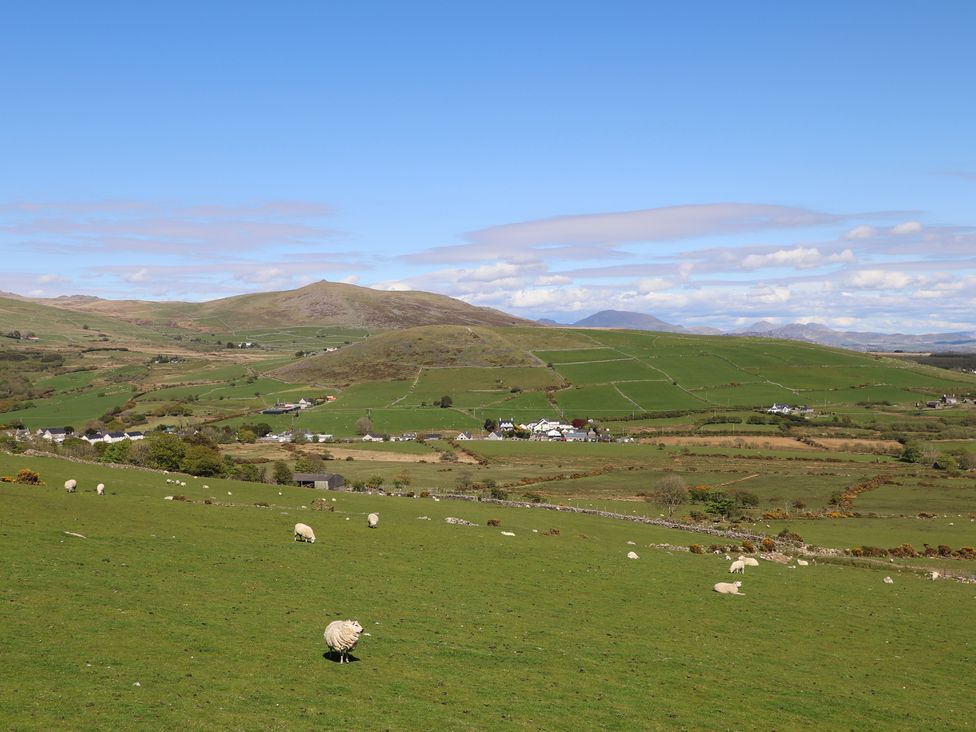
{"points": [[312, 477]]}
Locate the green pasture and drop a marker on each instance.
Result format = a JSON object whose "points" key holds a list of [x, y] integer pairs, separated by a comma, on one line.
{"points": [[73, 409], [70, 381], [201, 617], [580, 355], [661, 396], [595, 400], [601, 372], [885, 532]]}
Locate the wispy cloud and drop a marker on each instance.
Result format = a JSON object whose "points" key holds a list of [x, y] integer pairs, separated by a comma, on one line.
{"points": [[595, 236], [204, 231]]}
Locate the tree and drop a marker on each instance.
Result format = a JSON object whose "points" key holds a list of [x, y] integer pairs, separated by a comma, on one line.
{"points": [[671, 491], [446, 402], [281, 473], [117, 452], [364, 425], [490, 425], [374, 482], [163, 451], [202, 460], [464, 481], [720, 504], [246, 436], [309, 463], [912, 454]]}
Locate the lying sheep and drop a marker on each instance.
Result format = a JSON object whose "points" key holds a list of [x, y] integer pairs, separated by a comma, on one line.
{"points": [[632, 555], [933, 575], [888, 581], [802, 562], [303, 532], [70, 485], [749, 561], [738, 566], [728, 588], [341, 636], [100, 489], [373, 520]]}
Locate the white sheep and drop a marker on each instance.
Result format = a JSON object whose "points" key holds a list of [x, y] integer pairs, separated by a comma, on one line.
{"points": [[933, 575], [802, 562], [749, 561], [728, 588], [341, 636], [70, 485], [737, 566], [373, 520], [100, 489], [508, 533], [303, 532], [888, 581], [632, 555]]}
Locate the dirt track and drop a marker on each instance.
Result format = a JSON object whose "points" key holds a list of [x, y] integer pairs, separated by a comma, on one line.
{"points": [[275, 451]]}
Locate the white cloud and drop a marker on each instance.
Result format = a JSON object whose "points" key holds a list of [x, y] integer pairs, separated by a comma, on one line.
{"points": [[140, 275], [653, 284], [768, 295], [350, 279], [798, 257], [880, 279], [861, 232], [909, 227], [46, 279]]}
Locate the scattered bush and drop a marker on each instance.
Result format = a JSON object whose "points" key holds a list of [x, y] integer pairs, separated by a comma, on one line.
{"points": [[551, 532], [696, 549], [494, 522], [748, 547], [28, 477], [425, 494], [767, 544], [788, 535]]}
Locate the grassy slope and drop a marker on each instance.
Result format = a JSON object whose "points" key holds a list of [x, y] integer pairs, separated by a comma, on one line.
{"points": [[219, 616], [320, 303]]}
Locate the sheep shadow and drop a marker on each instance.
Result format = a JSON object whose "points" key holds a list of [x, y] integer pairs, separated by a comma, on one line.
{"points": [[335, 657]]}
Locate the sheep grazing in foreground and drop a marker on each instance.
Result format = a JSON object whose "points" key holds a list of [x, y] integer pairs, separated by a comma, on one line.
{"points": [[802, 562], [303, 532], [341, 637], [100, 489], [373, 520], [737, 566], [632, 555], [888, 581], [70, 485], [749, 561], [728, 588]]}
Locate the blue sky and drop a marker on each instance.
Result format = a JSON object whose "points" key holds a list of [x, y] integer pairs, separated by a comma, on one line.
{"points": [[708, 163]]}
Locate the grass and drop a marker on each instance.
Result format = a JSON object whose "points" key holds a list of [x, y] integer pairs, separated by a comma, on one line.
{"points": [[218, 616]]}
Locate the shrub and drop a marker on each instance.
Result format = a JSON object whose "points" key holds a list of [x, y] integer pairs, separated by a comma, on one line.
{"points": [[967, 552], [748, 547], [903, 550], [696, 549], [551, 532], [945, 550], [790, 536], [494, 522], [499, 494], [425, 494], [767, 544], [873, 551], [28, 477]]}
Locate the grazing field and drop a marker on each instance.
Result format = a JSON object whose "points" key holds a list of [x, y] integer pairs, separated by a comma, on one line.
{"points": [[185, 615]]}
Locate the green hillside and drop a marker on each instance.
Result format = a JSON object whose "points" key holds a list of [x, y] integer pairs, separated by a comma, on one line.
{"points": [[320, 303]]}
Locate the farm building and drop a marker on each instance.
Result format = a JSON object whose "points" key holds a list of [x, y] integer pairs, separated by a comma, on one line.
{"points": [[328, 481]]}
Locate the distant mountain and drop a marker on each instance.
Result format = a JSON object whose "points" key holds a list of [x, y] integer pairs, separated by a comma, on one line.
{"points": [[863, 341], [320, 303], [628, 321]]}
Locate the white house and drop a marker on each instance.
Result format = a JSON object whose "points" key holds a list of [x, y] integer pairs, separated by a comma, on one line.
{"points": [[463, 436], [368, 437]]}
